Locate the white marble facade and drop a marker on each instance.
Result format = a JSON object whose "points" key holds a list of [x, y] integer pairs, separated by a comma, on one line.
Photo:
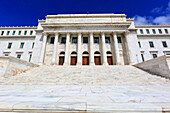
{"points": [[85, 39]]}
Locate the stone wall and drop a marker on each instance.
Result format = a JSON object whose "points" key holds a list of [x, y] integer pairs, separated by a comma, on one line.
{"points": [[10, 66], [159, 66]]}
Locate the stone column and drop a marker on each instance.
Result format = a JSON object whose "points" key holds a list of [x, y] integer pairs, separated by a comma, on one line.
{"points": [[41, 60], [67, 52], [116, 49], [54, 57], [129, 44], [79, 57], [104, 56], [91, 50]]}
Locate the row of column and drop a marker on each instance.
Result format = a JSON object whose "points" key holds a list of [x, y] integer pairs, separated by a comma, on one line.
{"points": [[79, 62]]}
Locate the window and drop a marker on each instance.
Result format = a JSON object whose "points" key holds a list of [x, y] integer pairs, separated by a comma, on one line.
{"points": [[25, 33], [8, 32], [52, 40], [119, 40], [6, 54], [22, 45], [153, 30], [151, 44], [166, 52], [63, 40], [19, 56], [9, 45], [13, 33], [19, 33], [166, 31], [33, 45], [142, 56], [31, 32], [107, 40], [141, 31], [147, 31], [74, 40], [164, 44], [2, 33], [96, 40], [30, 57], [139, 44], [85, 39], [154, 55], [160, 31]]}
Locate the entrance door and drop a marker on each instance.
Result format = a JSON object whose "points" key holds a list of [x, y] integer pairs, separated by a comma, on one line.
{"points": [[97, 60], [61, 60], [85, 60], [73, 60], [109, 60]]}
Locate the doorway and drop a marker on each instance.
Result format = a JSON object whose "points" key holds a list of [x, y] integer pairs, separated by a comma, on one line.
{"points": [[85, 60], [73, 60], [61, 60]]}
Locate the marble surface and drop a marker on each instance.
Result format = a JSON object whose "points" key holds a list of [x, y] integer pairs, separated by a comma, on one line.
{"points": [[110, 98], [84, 75]]}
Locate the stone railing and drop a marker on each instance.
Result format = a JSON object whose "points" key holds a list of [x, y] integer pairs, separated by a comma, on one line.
{"points": [[10, 66], [159, 66]]}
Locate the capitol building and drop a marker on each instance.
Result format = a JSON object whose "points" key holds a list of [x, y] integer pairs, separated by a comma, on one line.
{"points": [[85, 39], [85, 63]]}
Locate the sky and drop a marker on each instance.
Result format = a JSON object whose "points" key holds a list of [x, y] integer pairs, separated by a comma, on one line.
{"points": [[27, 12]]}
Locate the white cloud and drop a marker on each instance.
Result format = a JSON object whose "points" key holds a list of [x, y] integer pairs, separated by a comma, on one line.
{"points": [[139, 20], [165, 19], [157, 10], [162, 20]]}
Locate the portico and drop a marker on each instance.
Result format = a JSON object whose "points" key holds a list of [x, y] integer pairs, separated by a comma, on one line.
{"points": [[110, 36], [84, 48]]}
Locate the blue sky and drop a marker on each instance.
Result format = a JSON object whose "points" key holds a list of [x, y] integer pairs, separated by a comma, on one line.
{"points": [[27, 12]]}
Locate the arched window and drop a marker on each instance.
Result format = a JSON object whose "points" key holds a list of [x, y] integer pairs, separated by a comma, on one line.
{"points": [[108, 52], [62, 53], [86, 53], [74, 53], [97, 52]]}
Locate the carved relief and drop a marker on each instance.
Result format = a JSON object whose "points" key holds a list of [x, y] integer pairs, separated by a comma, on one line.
{"points": [[96, 46], [85, 46], [73, 46], [61, 46]]}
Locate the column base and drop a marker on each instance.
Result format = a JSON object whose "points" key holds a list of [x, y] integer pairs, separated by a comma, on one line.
{"points": [[118, 63], [105, 64], [79, 64], [40, 63], [92, 64], [66, 64], [53, 63], [131, 63]]}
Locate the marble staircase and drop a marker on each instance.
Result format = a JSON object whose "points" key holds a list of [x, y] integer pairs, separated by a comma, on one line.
{"points": [[85, 75]]}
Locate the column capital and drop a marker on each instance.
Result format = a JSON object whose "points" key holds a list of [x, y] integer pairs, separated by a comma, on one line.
{"points": [[79, 33], [56, 33], [102, 33], [91, 33], [126, 32], [45, 33], [68, 33], [114, 33]]}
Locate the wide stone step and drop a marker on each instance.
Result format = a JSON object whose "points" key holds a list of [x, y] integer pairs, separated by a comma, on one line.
{"points": [[85, 75]]}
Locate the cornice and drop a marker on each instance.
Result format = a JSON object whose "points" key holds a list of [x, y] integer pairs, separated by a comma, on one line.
{"points": [[32, 36], [130, 19], [146, 26], [19, 27], [152, 35], [41, 20], [84, 15], [84, 24]]}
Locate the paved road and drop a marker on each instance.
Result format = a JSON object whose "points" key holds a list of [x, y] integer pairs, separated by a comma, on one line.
{"points": [[84, 98]]}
